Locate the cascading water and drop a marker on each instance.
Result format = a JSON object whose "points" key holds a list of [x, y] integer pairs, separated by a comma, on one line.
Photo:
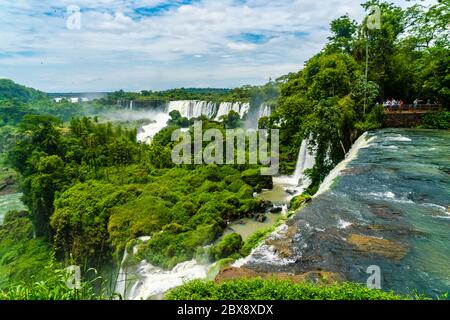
{"points": [[193, 109], [264, 111], [145, 281], [226, 107], [361, 143], [306, 160], [146, 133]]}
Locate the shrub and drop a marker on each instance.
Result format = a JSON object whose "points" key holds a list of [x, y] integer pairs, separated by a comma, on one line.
{"points": [[254, 178], [259, 289], [54, 287], [439, 120]]}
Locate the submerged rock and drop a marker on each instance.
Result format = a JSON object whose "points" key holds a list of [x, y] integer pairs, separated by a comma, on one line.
{"points": [[382, 247], [261, 218], [319, 276], [276, 210], [282, 247], [266, 205], [290, 192]]}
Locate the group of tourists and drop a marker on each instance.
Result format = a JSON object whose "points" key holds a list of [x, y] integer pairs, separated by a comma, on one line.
{"points": [[393, 103]]}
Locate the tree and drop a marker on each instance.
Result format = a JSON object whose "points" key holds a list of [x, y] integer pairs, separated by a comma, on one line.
{"points": [[232, 120], [344, 30]]}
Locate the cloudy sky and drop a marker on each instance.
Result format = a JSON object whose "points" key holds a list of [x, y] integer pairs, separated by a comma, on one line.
{"points": [[161, 44]]}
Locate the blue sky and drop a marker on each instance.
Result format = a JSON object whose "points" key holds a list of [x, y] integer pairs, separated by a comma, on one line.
{"points": [[160, 44]]}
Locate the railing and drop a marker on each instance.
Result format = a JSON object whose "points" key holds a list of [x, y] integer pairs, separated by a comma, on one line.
{"points": [[411, 108]]}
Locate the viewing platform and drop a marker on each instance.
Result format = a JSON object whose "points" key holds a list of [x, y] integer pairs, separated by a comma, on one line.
{"points": [[408, 115], [413, 109]]}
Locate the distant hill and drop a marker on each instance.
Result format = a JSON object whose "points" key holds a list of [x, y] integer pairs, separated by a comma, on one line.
{"points": [[9, 90]]}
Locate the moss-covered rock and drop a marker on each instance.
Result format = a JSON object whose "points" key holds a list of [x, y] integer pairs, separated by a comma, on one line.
{"points": [[229, 245], [298, 201]]}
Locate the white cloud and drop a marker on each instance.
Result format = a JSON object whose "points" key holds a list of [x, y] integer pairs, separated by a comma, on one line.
{"points": [[122, 45]]}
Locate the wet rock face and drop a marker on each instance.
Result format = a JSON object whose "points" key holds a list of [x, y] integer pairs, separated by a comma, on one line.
{"points": [[318, 276], [386, 248], [384, 212], [283, 245], [355, 171]]}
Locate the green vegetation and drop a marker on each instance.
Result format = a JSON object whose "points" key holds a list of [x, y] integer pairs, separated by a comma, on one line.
{"points": [[91, 188], [298, 201], [54, 287], [439, 120], [258, 289], [227, 246], [182, 210], [22, 257], [155, 98]]}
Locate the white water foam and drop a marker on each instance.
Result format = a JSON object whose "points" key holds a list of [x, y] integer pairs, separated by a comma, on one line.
{"points": [[390, 196], [398, 138], [342, 224], [153, 282], [265, 253], [146, 133]]}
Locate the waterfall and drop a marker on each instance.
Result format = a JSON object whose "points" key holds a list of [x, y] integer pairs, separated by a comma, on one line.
{"points": [[264, 111], [226, 107], [153, 282], [121, 282], [145, 281], [146, 133], [193, 109], [361, 143], [305, 160]]}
